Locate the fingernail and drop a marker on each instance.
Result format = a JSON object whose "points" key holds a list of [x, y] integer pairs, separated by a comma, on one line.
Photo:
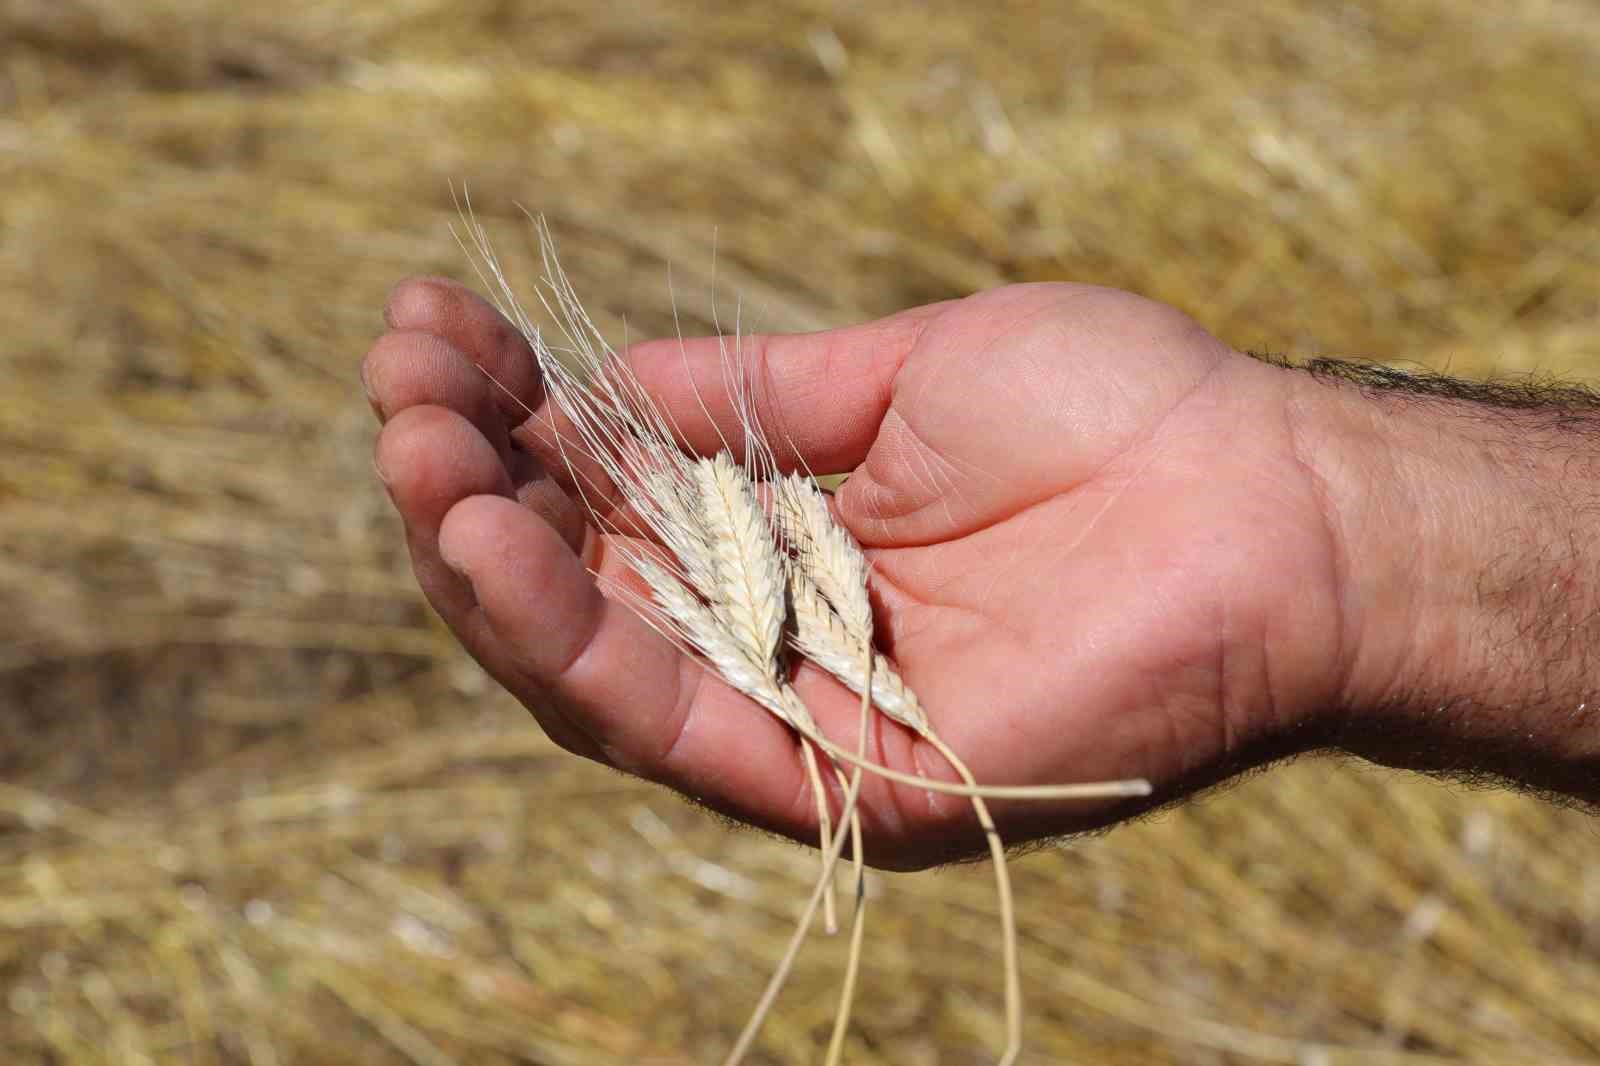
{"points": [[372, 397], [454, 564], [388, 301], [377, 468]]}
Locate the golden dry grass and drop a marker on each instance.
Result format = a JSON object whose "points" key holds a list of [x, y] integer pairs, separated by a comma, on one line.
{"points": [[256, 807]]}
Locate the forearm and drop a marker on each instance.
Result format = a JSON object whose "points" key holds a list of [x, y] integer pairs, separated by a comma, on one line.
{"points": [[1470, 572]]}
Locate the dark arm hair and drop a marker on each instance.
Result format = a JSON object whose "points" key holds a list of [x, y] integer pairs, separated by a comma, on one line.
{"points": [[1503, 476]]}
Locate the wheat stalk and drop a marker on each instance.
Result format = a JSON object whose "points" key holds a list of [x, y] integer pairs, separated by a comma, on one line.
{"points": [[769, 995]]}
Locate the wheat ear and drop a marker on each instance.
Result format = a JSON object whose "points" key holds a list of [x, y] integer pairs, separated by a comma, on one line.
{"points": [[741, 630], [748, 596], [840, 641], [809, 607], [622, 428], [820, 635], [738, 566], [760, 464], [827, 553]]}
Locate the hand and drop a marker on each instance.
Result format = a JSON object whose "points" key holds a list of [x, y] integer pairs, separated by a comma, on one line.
{"points": [[1097, 552]]}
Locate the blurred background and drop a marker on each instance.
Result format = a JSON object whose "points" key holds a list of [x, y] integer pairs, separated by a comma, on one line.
{"points": [[257, 808]]}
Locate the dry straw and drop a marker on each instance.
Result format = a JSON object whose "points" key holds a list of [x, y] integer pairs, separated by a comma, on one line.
{"points": [[736, 579], [210, 632]]}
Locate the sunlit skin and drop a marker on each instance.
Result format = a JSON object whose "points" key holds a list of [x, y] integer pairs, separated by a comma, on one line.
{"points": [[1080, 507], [1105, 545]]}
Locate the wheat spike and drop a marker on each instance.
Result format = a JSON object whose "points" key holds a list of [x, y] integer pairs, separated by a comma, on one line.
{"points": [[821, 636], [676, 496], [824, 639], [633, 441], [700, 626], [749, 594], [828, 554], [830, 566]]}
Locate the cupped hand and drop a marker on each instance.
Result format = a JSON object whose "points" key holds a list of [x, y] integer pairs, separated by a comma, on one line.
{"points": [[1097, 552]]}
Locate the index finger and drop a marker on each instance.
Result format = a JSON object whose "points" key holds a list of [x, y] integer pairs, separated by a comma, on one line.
{"points": [[818, 397]]}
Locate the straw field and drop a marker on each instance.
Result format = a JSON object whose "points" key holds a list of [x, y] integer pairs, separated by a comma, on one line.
{"points": [[255, 805]]}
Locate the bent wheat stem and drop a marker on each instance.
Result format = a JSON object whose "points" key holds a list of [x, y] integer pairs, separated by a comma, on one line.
{"points": [[858, 924], [830, 858]]}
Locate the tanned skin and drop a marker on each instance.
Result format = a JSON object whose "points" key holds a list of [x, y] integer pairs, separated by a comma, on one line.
{"points": [[1105, 545]]}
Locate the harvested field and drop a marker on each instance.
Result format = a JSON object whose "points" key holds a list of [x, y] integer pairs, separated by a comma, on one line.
{"points": [[257, 808]]}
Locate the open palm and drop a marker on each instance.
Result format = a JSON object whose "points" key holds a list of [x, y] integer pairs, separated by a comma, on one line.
{"points": [[1095, 551]]}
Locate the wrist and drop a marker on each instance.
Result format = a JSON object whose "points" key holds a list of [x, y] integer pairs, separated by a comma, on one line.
{"points": [[1469, 591]]}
